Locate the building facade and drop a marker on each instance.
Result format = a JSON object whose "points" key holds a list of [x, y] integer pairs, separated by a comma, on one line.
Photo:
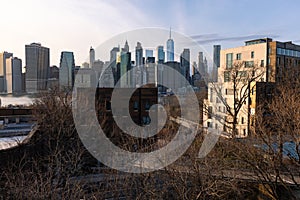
{"points": [[170, 49], [3, 78], [13, 75], [92, 57], [185, 64], [66, 70], [261, 63], [216, 62], [37, 67]]}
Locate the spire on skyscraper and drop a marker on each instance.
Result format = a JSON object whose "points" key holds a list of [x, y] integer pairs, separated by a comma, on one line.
{"points": [[126, 47], [170, 48]]}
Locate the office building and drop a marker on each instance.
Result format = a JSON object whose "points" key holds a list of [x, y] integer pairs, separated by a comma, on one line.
{"points": [[66, 70], [149, 53], [201, 67], [170, 49], [3, 79], [216, 62], [13, 75], [185, 63], [37, 67], [92, 57], [160, 54], [139, 54], [125, 66]]}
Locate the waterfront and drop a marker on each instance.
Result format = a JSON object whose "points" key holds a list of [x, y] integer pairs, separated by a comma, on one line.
{"points": [[16, 100]]}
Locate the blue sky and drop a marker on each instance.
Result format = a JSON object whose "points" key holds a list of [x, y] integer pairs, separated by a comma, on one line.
{"points": [[75, 25]]}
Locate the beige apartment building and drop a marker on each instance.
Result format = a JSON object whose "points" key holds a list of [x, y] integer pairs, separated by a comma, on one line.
{"points": [[243, 75]]}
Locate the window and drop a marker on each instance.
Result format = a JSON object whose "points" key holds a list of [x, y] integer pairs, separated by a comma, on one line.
{"points": [[244, 132], [242, 73], [229, 91], [229, 58], [147, 105], [252, 54], [146, 120], [249, 64], [108, 105], [226, 76], [209, 112], [135, 106], [269, 50], [262, 63], [279, 51], [242, 120], [239, 56], [211, 94], [208, 124], [216, 126], [278, 60]]}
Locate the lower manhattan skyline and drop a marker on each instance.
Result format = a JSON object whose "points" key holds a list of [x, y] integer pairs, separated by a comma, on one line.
{"points": [[150, 99], [75, 25]]}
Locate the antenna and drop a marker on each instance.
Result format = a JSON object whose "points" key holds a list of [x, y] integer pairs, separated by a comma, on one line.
{"points": [[170, 32]]}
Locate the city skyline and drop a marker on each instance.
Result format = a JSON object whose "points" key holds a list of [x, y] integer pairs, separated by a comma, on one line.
{"points": [[75, 26]]}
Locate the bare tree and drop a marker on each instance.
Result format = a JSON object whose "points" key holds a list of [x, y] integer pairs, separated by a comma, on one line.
{"points": [[233, 92]]}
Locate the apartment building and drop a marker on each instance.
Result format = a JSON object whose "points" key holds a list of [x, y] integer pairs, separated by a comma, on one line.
{"points": [[262, 61]]}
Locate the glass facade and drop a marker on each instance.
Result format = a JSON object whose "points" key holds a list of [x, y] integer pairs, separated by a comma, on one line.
{"points": [[229, 58], [67, 65], [288, 52]]}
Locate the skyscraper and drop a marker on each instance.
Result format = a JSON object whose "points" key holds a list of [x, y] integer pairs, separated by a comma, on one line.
{"points": [[126, 47], [170, 49], [185, 63], [149, 53], [216, 64], [138, 71], [114, 53], [201, 66], [139, 54], [160, 54], [37, 67], [125, 65], [92, 57], [3, 81], [66, 70], [14, 75]]}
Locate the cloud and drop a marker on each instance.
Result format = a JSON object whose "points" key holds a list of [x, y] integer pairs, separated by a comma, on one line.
{"points": [[213, 38]]}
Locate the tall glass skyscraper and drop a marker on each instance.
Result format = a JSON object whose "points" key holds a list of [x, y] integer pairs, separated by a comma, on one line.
{"points": [[3, 73], [170, 49], [37, 67], [67, 65], [14, 75], [185, 63], [139, 54], [160, 54], [125, 65]]}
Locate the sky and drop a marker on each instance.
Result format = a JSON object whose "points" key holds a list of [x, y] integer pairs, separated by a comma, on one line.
{"points": [[75, 25]]}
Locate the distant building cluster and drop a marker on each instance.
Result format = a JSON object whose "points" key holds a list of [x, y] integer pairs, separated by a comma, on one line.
{"points": [[273, 58], [122, 70]]}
